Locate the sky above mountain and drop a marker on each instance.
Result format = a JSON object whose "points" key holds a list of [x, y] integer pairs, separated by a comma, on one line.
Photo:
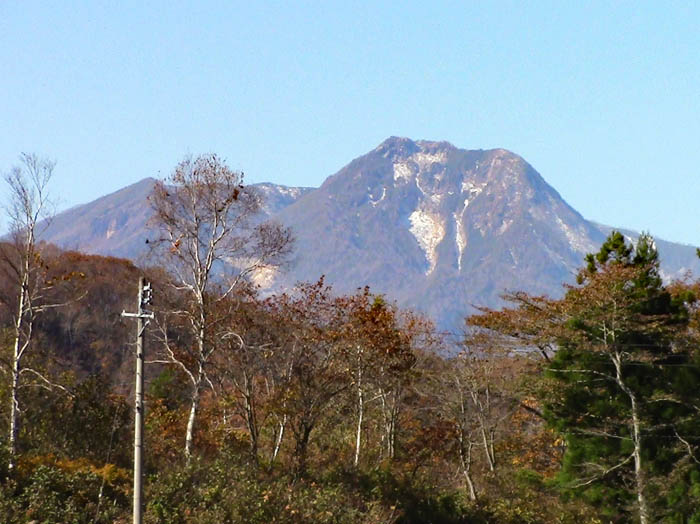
{"points": [[601, 100]]}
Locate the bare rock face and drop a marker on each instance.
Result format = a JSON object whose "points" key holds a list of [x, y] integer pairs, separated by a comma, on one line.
{"points": [[437, 228]]}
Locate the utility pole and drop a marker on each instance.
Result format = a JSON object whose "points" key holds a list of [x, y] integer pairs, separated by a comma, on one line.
{"points": [[143, 317]]}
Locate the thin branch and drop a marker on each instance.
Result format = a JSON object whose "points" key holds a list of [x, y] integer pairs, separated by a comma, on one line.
{"points": [[604, 473], [50, 384]]}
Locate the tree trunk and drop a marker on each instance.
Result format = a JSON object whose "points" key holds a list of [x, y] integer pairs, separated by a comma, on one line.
{"points": [[14, 412], [278, 440], [392, 425], [488, 446], [251, 418], [189, 434], [300, 452], [14, 388], [389, 415], [360, 415], [384, 422], [638, 472], [465, 458], [636, 439]]}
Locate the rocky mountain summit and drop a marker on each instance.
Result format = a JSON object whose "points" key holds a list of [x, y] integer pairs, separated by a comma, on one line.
{"points": [[437, 228]]}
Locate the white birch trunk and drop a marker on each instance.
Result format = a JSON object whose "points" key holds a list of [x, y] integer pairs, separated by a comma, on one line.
{"points": [[465, 458], [360, 415], [278, 440], [14, 412], [488, 446], [636, 439], [189, 434], [16, 369]]}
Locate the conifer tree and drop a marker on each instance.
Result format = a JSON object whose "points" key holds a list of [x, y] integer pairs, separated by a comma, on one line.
{"points": [[626, 404], [621, 384]]}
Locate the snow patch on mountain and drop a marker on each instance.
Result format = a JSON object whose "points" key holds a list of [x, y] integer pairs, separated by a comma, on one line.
{"points": [[375, 202], [264, 276], [460, 236], [402, 171], [419, 186], [473, 189], [429, 232], [112, 228], [578, 240], [504, 226], [426, 160], [292, 192], [513, 257], [460, 233]]}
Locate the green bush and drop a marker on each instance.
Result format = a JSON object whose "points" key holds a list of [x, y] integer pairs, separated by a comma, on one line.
{"points": [[50, 494]]}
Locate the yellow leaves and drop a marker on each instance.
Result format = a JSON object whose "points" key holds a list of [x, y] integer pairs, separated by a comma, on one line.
{"points": [[114, 476], [64, 277]]}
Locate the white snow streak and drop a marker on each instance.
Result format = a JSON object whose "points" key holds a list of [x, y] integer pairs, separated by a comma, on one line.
{"points": [[461, 240], [504, 226], [578, 240], [112, 228], [418, 186], [425, 160], [460, 233], [375, 202], [429, 231]]}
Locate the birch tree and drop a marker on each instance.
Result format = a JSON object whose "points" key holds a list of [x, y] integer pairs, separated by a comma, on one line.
{"points": [[378, 342], [212, 242], [27, 274]]}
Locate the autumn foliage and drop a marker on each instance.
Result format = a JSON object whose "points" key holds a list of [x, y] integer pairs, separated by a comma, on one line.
{"points": [[316, 406]]}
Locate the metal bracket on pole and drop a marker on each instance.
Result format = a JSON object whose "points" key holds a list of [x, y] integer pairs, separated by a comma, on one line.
{"points": [[145, 314]]}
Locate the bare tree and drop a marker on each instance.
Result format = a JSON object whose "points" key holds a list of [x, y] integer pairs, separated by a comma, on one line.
{"points": [[212, 244], [26, 273]]}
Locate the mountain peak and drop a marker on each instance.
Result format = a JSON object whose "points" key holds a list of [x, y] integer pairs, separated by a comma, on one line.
{"points": [[402, 146], [396, 146], [436, 227]]}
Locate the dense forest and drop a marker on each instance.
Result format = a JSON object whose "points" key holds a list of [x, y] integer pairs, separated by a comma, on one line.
{"points": [[312, 406]]}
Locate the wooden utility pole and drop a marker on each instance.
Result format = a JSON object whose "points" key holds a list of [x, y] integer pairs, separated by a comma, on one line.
{"points": [[143, 317]]}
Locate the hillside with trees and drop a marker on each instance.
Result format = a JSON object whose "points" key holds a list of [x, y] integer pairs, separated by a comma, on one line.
{"points": [[314, 405]]}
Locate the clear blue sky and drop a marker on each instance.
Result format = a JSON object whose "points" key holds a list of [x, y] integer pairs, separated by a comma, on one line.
{"points": [[604, 101]]}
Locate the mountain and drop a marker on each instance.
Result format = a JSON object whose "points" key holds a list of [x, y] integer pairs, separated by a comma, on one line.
{"points": [[117, 224], [113, 225], [437, 228]]}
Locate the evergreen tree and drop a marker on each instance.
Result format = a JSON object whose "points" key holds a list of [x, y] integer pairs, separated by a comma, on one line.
{"points": [[626, 397]]}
